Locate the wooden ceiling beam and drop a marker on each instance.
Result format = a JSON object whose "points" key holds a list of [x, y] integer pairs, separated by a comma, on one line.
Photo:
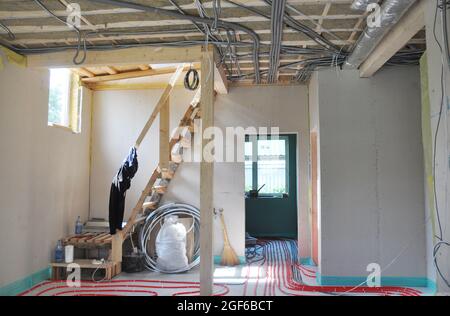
{"points": [[84, 72], [134, 74], [35, 14], [73, 39], [23, 29], [128, 56]]}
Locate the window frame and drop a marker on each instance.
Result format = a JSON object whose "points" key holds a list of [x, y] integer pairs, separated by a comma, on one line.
{"points": [[255, 186], [74, 104]]}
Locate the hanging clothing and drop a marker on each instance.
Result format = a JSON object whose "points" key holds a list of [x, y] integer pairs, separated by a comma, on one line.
{"points": [[119, 186]]}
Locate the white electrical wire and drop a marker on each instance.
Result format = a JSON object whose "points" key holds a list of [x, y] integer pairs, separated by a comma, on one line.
{"points": [[155, 219]]}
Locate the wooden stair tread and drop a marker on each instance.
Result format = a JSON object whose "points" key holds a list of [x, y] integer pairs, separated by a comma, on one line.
{"points": [[88, 240]]}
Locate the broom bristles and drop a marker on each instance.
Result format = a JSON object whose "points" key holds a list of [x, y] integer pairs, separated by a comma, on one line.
{"points": [[229, 257]]}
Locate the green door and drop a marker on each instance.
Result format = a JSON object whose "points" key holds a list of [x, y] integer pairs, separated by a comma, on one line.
{"points": [[271, 161]]}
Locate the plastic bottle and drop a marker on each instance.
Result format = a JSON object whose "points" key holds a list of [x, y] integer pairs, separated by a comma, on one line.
{"points": [[78, 226], [59, 252]]}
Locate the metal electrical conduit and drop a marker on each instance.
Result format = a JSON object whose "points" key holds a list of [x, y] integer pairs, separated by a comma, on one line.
{"points": [[210, 22], [276, 26], [391, 12]]}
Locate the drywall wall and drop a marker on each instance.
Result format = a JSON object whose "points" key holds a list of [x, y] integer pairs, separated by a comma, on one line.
{"points": [[118, 118], [119, 115], [45, 173], [435, 70], [372, 194]]}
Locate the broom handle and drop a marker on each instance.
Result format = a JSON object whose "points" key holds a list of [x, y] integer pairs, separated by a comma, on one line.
{"points": [[224, 230]]}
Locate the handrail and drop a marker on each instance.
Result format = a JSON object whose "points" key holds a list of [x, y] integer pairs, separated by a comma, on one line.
{"points": [[159, 105]]}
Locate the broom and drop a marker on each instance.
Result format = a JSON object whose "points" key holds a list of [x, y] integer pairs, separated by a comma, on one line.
{"points": [[229, 257]]}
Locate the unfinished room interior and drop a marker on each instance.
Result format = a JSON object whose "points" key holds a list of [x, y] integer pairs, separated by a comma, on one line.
{"points": [[224, 148]]}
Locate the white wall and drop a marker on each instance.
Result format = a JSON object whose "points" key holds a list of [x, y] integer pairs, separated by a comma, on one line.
{"points": [[118, 118], [442, 154], [119, 115], [44, 174], [372, 195]]}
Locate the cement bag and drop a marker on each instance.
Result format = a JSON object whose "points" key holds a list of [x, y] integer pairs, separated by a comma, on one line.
{"points": [[171, 245]]}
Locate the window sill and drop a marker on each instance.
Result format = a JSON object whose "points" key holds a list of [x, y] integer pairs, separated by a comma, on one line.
{"points": [[263, 197], [65, 128]]}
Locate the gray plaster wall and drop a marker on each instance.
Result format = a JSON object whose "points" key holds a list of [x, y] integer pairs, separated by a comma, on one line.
{"points": [[435, 68], [372, 181]]}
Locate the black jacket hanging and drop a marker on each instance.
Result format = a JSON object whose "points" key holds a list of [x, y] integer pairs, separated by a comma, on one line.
{"points": [[119, 186]]}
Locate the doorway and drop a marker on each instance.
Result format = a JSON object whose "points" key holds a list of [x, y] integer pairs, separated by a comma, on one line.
{"points": [[271, 186]]}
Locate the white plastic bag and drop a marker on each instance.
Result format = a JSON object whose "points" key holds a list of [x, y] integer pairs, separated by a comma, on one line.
{"points": [[171, 245]]}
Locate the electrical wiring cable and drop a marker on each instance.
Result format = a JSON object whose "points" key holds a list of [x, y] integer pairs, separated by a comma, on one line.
{"points": [[191, 83], [155, 219], [276, 25], [11, 35], [289, 21], [79, 46], [220, 23]]}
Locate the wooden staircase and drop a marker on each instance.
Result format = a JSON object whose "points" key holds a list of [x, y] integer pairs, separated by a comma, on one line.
{"points": [[159, 181]]}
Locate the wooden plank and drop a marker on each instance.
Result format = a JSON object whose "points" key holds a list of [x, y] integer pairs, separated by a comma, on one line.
{"points": [[84, 72], [206, 176], [111, 70], [164, 135], [314, 197], [158, 106], [408, 26], [35, 14], [134, 74], [116, 247], [144, 67], [128, 56]]}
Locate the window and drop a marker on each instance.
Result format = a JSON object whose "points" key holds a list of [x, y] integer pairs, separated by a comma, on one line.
{"points": [[64, 101], [267, 163]]}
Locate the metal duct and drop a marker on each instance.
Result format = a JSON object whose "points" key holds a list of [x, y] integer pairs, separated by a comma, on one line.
{"points": [[391, 12], [361, 5]]}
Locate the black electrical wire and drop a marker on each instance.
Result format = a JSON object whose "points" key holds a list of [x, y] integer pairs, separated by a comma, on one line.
{"points": [[78, 48], [8, 31], [191, 79]]}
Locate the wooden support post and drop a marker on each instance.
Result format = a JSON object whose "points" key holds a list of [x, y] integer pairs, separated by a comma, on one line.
{"points": [[164, 136], [206, 176], [116, 247]]}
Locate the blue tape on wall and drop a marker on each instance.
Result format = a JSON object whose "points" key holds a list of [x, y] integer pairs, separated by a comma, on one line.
{"points": [[421, 282]]}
